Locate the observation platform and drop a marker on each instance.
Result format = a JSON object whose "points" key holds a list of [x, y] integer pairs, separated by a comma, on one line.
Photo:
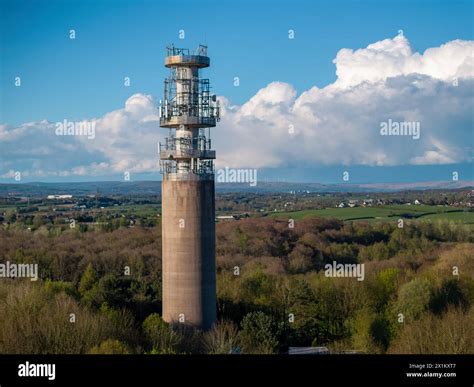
{"points": [[187, 58]]}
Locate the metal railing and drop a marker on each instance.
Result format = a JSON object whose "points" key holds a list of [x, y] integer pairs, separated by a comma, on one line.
{"points": [[187, 154], [171, 50], [201, 167], [200, 143]]}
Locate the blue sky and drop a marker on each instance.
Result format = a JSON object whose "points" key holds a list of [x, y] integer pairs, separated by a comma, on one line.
{"points": [[83, 78]]}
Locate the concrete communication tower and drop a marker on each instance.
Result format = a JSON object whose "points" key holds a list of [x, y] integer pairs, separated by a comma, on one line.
{"points": [[188, 208]]}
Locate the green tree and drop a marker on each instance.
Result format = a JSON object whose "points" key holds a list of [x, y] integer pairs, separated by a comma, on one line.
{"points": [[110, 347], [257, 287], [361, 326], [88, 280], [449, 293], [304, 307], [300, 260], [56, 287], [413, 298], [380, 330], [115, 290], [258, 333], [384, 287], [163, 339]]}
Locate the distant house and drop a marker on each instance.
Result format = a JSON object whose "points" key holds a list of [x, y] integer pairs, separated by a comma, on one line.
{"points": [[52, 197], [353, 203], [228, 217], [308, 351], [342, 205], [233, 217], [417, 202], [368, 202]]}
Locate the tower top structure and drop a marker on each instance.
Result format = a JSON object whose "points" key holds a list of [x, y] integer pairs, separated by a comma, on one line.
{"points": [[188, 108], [187, 98], [186, 57]]}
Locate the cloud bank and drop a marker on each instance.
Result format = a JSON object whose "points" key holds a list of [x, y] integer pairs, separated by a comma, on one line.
{"points": [[334, 125]]}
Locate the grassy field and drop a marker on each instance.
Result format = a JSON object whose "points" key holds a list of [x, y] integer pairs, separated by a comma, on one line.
{"points": [[371, 214], [464, 217], [389, 212]]}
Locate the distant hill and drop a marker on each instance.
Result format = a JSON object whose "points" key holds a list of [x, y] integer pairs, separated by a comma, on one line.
{"points": [[317, 187], [145, 188], [151, 188]]}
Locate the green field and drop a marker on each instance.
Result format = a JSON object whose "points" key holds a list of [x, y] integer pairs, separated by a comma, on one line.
{"points": [[371, 214], [389, 212], [464, 217]]}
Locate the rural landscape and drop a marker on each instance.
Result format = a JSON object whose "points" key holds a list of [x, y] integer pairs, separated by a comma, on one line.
{"points": [[99, 273], [269, 189]]}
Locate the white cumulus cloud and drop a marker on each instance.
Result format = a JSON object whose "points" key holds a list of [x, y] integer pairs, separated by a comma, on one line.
{"points": [[334, 125], [340, 123]]}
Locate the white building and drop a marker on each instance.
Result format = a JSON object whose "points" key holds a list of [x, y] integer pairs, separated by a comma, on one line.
{"points": [[50, 197]]}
